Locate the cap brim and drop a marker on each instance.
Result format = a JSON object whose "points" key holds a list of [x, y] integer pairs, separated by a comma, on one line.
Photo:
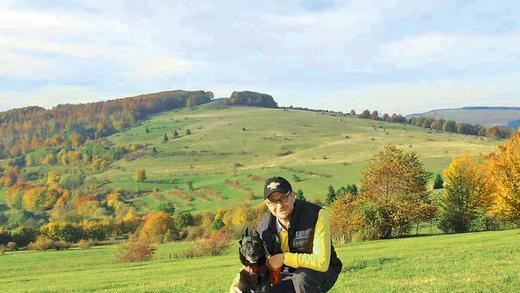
{"points": [[276, 190]]}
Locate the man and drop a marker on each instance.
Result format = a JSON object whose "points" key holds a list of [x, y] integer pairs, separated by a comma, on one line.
{"points": [[297, 236]]}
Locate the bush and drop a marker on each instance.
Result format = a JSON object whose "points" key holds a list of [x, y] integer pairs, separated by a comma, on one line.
{"points": [[85, 244], [41, 243], [11, 245], [67, 232], [22, 236], [5, 236], [216, 244], [60, 245], [135, 250]]}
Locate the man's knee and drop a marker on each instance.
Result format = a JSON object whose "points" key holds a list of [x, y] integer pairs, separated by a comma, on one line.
{"points": [[313, 281]]}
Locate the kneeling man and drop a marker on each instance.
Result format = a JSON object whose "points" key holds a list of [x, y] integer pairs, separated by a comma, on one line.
{"points": [[297, 236]]}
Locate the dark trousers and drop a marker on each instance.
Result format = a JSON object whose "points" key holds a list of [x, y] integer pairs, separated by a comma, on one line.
{"points": [[305, 280]]}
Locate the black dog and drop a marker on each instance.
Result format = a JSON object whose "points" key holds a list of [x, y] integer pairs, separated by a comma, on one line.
{"points": [[254, 277]]}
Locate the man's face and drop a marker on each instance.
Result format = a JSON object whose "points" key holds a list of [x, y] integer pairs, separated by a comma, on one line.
{"points": [[280, 205]]}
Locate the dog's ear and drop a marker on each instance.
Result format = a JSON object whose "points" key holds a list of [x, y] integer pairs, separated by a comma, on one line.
{"points": [[246, 232]]}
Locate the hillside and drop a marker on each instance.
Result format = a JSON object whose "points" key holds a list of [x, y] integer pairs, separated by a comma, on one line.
{"points": [[223, 163], [232, 150], [469, 262], [485, 116]]}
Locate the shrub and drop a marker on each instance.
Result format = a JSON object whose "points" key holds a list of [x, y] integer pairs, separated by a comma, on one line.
{"points": [[62, 231], [135, 250], [40, 243], [216, 244], [5, 235], [60, 245], [11, 245], [284, 153], [85, 244], [23, 236]]}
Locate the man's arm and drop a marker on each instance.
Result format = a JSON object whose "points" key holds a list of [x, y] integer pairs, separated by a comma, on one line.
{"points": [[319, 259]]}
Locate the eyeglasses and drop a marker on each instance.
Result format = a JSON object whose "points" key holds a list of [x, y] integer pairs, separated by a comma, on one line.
{"points": [[282, 200]]}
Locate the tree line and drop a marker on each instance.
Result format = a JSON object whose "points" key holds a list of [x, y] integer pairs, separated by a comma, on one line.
{"points": [[28, 129], [395, 196]]}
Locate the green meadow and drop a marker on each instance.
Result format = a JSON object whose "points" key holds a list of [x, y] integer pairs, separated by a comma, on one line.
{"points": [[472, 262], [232, 150]]}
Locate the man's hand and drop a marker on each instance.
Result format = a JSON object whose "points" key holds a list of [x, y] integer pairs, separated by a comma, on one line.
{"points": [[234, 289], [275, 261]]}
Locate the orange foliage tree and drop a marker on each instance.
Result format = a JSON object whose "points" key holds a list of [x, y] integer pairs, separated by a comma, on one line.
{"points": [[156, 225]]}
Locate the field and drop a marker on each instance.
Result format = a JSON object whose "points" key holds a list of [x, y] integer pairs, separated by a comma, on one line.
{"points": [[472, 262], [231, 152]]}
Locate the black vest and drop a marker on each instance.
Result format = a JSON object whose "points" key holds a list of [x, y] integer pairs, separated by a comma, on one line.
{"points": [[301, 232]]}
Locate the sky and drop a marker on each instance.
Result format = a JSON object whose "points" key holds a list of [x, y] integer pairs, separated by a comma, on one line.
{"points": [[393, 56]]}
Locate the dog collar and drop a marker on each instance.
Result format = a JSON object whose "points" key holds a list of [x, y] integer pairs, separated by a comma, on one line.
{"points": [[253, 270]]}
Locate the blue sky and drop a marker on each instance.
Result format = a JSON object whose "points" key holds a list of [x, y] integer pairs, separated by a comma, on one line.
{"points": [[393, 56]]}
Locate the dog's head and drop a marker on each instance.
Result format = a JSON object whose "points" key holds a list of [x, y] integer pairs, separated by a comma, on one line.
{"points": [[252, 250]]}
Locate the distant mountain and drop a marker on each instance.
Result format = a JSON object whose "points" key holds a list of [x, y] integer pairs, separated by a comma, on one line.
{"points": [[485, 116]]}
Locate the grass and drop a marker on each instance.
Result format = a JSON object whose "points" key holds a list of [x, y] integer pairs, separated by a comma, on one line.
{"points": [[472, 262]]}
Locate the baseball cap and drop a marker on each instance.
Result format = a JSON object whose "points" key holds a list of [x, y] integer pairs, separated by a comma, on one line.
{"points": [[276, 184]]}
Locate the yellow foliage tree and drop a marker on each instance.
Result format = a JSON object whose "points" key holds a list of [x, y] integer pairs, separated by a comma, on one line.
{"points": [[140, 175], [239, 217], [34, 199], [466, 194], [504, 170], [53, 177]]}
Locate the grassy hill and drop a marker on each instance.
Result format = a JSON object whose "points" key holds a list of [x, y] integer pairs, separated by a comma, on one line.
{"points": [[232, 150], [485, 116], [471, 262]]}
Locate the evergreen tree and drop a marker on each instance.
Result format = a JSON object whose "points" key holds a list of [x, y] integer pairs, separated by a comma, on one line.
{"points": [[167, 207], [175, 134], [188, 131], [299, 195], [165, 138], [352, 189], [437, 184], [331, 195], [147, 130]]}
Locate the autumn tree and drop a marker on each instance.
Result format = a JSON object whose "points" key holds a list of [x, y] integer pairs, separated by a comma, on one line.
{"points": [[395, 181], [155, 226], [504, 169], [466, 195], [140, 175]]}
